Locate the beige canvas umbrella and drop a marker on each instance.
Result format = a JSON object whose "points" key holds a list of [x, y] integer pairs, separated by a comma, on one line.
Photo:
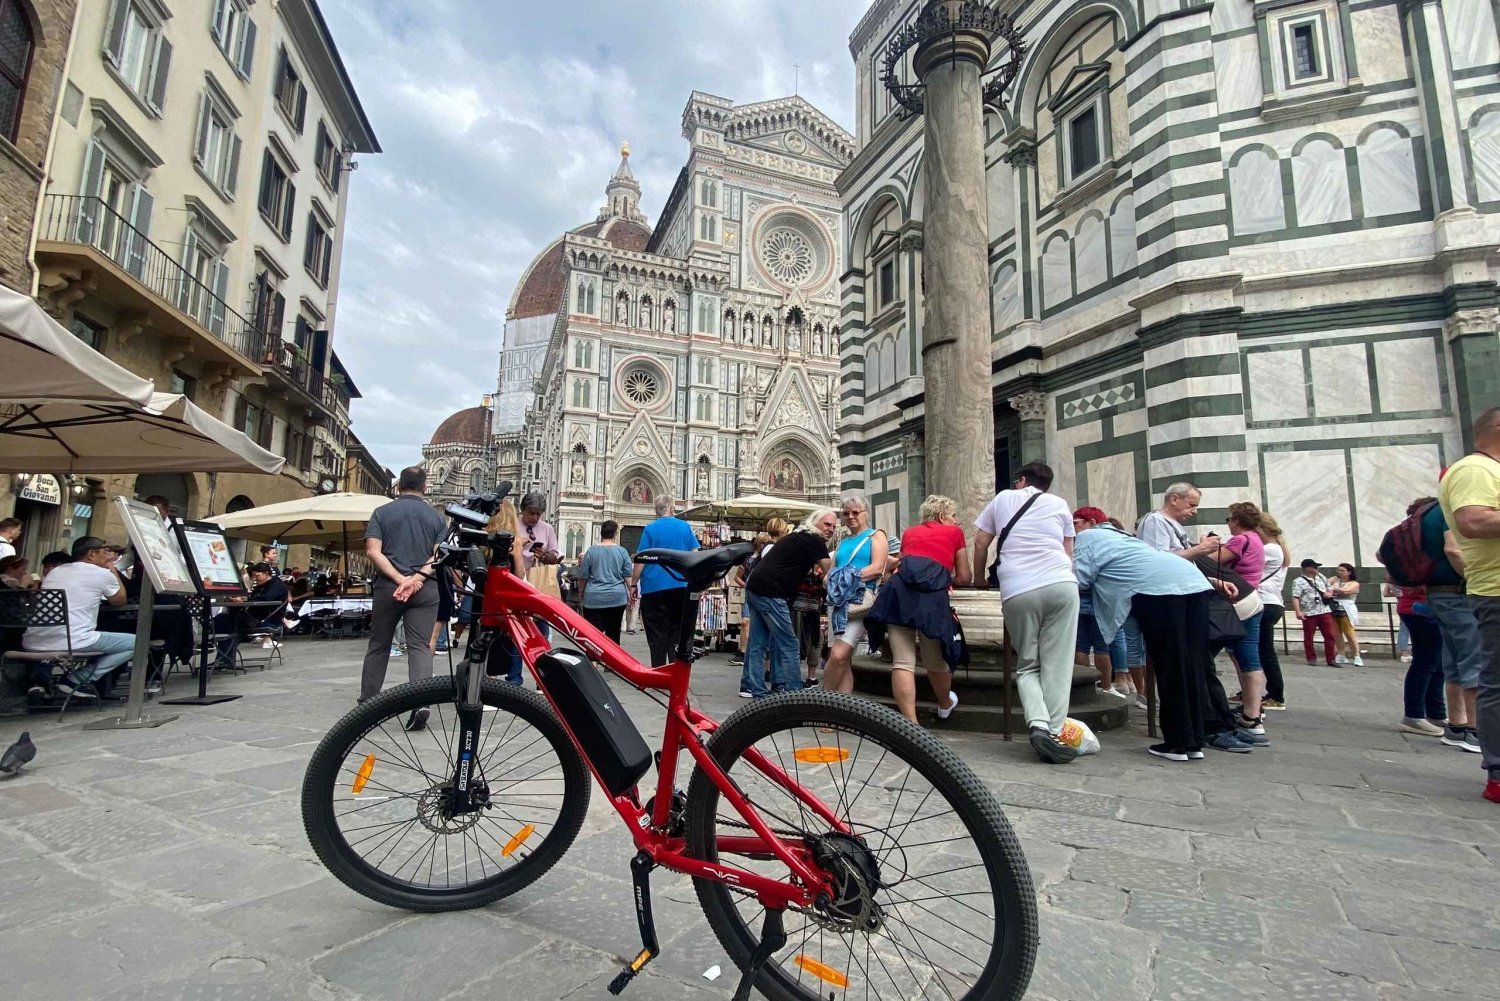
{"points": [[171, 434], [43, 361], [750, 512], [327, 520]]}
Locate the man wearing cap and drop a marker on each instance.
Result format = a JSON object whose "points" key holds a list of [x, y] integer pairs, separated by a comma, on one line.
{"points": [[92, 577], [1310, 602]]}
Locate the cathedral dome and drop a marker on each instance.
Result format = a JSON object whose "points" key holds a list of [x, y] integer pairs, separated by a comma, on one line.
{"points": [[467, 427]]}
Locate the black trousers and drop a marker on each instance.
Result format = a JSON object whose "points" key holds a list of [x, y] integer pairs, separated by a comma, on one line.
{"points": [[669, 619], [1175, 628], [606, 620], [1269, 662]]}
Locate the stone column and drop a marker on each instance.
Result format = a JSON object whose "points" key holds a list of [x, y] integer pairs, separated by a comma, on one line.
{"points": [[959, 424], [914, 449], [1441, 123], [1032, 406]]}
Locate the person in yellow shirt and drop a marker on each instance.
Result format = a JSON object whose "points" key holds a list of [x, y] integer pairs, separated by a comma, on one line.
{"points": [[1470, 497]]}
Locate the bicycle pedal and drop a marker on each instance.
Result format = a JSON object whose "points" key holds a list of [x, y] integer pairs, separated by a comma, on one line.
{"points": [[625, 976]]}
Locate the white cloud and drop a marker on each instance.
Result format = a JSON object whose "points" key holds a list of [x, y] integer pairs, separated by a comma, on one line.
{"points": [[501, 124]]}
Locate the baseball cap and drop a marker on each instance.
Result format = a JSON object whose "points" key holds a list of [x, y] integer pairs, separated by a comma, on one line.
{"points": [[85, 545], [1310, 562]]}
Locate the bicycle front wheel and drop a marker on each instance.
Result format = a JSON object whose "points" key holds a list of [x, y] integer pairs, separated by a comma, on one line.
{"points": [[377, 797], [931, 897]]}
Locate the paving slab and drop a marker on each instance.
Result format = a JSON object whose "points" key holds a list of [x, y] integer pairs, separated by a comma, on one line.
{"points": [[173, 864]]}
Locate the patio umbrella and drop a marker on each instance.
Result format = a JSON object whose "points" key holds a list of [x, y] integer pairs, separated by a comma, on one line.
{"points": [[325, 521], [170, 434], [751, 511], [43, 361]]}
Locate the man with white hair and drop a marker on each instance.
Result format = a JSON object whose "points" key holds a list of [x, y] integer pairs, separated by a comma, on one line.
{"points": [[1164, 529], [665, 610]]}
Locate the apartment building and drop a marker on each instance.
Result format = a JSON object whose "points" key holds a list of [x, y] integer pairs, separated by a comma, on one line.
{"points": [[192, 225]]}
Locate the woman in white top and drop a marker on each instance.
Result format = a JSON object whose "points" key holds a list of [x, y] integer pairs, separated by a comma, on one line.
{"points": [[1272, 595], [1343, 591]]}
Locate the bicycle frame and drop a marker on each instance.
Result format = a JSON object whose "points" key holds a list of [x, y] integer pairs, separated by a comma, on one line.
{"points": [[510, 604]]}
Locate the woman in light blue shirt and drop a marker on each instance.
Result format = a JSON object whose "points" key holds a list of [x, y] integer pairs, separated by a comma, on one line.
{"points": [[601, 577]]}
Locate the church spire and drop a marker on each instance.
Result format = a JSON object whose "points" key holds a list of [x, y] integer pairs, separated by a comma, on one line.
{"points": [[622, 195]]}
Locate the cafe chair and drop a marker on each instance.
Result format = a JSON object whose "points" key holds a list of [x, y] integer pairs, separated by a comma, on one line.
{"points": [[259, 656], [47, 607]]}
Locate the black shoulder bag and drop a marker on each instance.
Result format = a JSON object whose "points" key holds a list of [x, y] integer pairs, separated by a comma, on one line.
{"points": [[1004, 532]]}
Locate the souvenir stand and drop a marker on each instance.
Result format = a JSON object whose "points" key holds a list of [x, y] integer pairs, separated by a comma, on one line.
{"points": [[712, 631]]}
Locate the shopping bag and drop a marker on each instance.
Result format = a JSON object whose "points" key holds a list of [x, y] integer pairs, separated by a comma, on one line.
{"points": [[1076, 734]]}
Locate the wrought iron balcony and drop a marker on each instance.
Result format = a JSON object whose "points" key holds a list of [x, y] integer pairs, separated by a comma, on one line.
{"points": [[291, 369], [138, 274]]}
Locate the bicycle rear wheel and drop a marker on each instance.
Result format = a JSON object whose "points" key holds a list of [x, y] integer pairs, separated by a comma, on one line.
{"points": [[932, 895], [374, 797]]}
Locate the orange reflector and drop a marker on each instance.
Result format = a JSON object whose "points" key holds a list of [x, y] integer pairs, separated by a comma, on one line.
{"points": [[517, 841], [820, 755], [364, 774], [821, 971]]}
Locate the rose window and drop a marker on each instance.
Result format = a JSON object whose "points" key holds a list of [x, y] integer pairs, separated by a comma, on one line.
{"points": [[788, 256], [641, 386]]}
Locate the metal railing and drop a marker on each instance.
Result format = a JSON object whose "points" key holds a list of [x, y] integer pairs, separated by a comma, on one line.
{"points": [[91, 222]]}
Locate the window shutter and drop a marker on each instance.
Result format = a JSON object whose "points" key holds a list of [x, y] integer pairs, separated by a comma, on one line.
{"points": [[140, 219], [288, 209], [247, 46], [278, 314], [338, 170], [309, 246], [216, 307], [88, 203], [185, 289], [241, 411], [218, 18], [205, 120], [159, 76], [327, 261], [267, 425], [300, 117], [114, 38], [232, 171], [266, 199]]}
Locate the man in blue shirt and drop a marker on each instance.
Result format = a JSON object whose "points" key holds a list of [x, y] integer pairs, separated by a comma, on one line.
{"points": [[1169, 598], [1448, 602], [666, 612]]}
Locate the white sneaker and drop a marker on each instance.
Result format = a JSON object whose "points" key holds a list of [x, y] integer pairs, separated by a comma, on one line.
{"points": [[1359, 662], [1141, 704], [1340, 659], [952, 705]]}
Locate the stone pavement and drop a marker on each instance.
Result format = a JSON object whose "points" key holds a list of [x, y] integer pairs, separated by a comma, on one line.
{"points": [[1346, 863]]}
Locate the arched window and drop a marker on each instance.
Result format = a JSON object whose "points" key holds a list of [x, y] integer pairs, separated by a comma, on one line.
{"points": [[476, 479], [15, 64]]}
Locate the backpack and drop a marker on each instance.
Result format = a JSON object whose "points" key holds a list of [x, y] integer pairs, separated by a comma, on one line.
{"points": [[1406, 561]]}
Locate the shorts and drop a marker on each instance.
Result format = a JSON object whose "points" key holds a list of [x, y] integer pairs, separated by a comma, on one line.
{"points": [[1090, 640], [854, 634], [1463, 654]]}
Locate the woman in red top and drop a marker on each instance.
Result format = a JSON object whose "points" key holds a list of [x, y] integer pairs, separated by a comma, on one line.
{"points": [[938, 538], [1425, 709]]}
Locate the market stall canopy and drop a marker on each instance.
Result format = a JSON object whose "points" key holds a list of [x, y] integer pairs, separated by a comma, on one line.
{"points": [[327, 520], [750, 512], [43, 361], [170, 434]]}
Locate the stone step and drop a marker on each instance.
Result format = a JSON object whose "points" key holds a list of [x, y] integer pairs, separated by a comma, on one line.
{"points": [[983, 685], [979, 718]]}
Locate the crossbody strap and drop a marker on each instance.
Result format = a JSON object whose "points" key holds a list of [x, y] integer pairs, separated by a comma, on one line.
{"points": [[1005, 532]]}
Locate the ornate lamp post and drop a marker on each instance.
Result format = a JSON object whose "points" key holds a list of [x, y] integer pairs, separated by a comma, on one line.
{"points": [[950, 44]]}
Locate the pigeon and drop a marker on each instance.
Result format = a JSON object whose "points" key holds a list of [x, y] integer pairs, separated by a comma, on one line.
{"points": [[18, 754]]}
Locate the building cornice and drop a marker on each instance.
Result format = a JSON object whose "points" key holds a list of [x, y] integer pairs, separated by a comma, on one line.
{"points": [[309, 32]]}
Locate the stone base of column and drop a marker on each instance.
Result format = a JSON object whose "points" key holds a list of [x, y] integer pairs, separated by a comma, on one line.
{"points": [[981, 686]]}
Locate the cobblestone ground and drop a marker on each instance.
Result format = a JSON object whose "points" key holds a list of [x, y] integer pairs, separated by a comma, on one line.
{"points": [[1346, 863]]}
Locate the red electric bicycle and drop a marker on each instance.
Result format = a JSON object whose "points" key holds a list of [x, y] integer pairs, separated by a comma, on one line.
{"points": [[837, 850]]}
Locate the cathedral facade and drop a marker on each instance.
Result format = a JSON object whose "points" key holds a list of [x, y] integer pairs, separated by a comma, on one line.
{"points": [[1246, 244], [698, 358]]}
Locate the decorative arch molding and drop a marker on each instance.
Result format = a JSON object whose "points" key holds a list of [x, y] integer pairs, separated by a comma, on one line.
{"points": [[1249, 148], [805, 452], [1038, 60], [859, 233], [628, 478], [1396, 127], [1313, 137]]}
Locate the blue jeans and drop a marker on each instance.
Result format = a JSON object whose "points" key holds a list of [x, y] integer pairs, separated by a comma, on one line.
{"points": [[1135, 643], [117, 649], [1246, 651], [770, 628], [1423, 690], [1462, 655], [514, 652]]}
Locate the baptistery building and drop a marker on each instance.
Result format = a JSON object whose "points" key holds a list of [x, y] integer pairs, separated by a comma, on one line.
{"points": [[1247, 243], [697, 357]]}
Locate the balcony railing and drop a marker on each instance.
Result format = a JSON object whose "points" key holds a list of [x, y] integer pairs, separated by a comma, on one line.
{"points": [[297, 371], [90, 222]]}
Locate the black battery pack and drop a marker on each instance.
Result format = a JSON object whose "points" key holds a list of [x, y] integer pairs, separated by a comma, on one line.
{"points": [[597, 719]]}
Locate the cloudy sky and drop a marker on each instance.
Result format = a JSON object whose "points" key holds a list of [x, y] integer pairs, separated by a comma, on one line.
{"points": [[501, 122]]}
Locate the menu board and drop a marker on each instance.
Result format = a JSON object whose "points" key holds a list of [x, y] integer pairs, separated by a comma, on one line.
{"points": [[210, 558], [157, 547]]}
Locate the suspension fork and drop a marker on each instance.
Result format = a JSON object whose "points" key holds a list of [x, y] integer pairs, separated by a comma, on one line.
{"points": [[468, 684]]}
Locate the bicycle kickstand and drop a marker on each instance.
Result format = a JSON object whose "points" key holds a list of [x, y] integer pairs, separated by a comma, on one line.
{"points": [[772, 938], [640, 876]]}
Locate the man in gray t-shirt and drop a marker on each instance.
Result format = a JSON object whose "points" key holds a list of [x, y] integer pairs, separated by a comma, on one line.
{"points": [[399, 540]]}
